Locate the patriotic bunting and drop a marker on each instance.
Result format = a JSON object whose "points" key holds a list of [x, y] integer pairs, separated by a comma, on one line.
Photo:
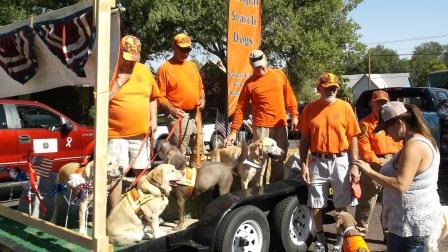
{"points": [[70, 38], [18, 55]]}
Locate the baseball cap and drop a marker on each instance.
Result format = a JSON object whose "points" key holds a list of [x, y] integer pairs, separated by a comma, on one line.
{"points": [[389, 111], [258, 58], [182, 40], [131, 47], [380, 95], [328, 80]]}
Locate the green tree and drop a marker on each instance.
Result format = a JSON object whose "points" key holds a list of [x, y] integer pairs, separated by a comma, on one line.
{"points": [[12, 11], [384, 60], [427, 58]]}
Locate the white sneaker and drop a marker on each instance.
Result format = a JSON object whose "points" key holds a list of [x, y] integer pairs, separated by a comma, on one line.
{"points": [[319, 247]]}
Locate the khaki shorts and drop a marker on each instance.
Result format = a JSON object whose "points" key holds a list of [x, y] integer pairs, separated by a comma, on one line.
{"points": [[189, 132], [325, 172], [123, 152]]}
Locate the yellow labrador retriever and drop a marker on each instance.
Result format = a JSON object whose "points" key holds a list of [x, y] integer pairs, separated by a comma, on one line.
{"points": [[148, 200], [255, 156]]}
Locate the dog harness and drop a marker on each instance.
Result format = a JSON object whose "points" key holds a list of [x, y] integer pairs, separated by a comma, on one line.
{"points": [[354, 244], [251, 164], [136, 198], [189, 179]]}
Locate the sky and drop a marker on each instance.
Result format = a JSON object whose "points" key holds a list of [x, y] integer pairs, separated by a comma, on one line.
{"points": [[402, 21]]}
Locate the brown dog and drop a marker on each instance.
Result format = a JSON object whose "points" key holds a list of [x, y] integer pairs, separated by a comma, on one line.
{"points": [[73, 175], [148, 200], [255, 156], [206, 177], [352, 240]]}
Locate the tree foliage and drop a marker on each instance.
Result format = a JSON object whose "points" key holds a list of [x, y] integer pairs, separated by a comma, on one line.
{"points": [[305, 37], [12, 11], [427, 58]]}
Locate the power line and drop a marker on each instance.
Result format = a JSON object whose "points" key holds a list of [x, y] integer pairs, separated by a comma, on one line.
{"points": [[408, 39], [408, 54]]}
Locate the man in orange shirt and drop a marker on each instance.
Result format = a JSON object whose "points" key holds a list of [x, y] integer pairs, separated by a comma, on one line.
{"points": [[376, 149], [269, 92], [181, 94], [132, 114], [329, 129]]}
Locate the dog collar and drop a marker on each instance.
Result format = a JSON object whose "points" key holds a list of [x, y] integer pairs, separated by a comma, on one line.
{"points": [[347, 229], [251, 164]]}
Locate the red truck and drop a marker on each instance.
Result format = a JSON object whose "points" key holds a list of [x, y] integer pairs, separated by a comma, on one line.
{"points": [[32, 128]]}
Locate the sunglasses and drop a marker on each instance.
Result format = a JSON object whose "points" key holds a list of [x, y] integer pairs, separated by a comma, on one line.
{"points": [[184, 49]]}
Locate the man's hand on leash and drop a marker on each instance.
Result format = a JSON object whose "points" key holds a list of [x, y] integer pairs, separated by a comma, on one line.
{"points": [[305, 173], [201, 103], [295, 122], [175, 112], [355, 174], [230, 139]]}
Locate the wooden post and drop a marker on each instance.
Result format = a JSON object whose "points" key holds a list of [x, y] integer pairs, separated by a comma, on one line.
{"points": [[103, 12]]}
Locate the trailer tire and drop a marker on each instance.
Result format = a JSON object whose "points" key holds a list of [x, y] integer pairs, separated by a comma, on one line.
{"points": [[292, 225], [245, 227]]}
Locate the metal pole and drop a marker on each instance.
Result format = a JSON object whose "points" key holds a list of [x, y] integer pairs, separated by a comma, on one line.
{"points": [[369, 74]]}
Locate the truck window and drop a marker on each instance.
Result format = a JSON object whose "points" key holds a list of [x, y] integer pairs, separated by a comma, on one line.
{"points": [[36, 117], [3, 123]]}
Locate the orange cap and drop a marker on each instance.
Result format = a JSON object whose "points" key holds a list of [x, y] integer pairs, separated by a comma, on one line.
{"points": [[380, 95], [328, 80], [131, 47], [182, 40]]}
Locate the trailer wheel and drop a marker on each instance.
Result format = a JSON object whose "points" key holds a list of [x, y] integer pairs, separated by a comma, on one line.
{"points": [[292, 225], [244, 229]]}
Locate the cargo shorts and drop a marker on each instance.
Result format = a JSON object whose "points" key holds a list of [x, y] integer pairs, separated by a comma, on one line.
{"points": [[123, 151], [326, 172]]}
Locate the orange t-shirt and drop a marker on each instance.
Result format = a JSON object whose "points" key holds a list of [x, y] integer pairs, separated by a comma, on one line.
{"points": [[371, 145], [180, 84], [129, 111], [269, 95], [329, 126]]}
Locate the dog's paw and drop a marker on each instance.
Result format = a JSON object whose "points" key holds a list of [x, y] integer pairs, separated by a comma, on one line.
{"points": [[148, 236]]}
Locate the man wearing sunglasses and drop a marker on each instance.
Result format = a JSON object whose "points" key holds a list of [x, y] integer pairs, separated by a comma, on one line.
{"points": [[329, 131], [268, 92], [181, 94]]}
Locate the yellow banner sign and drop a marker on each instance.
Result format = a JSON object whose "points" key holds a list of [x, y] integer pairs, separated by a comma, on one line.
{"points": [[243, 36]]}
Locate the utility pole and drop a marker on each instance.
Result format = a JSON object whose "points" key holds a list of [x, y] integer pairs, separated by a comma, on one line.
{"points": [[368, 86]]}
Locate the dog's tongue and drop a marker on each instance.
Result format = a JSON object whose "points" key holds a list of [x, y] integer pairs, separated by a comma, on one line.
{"points": [[356, 189]]}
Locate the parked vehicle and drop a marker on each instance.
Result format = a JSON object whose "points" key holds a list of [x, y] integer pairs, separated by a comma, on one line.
{"points": [[32, 128], [432, 101], [438, 79]]}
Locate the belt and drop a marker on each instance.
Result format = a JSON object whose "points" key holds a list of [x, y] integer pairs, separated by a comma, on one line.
{"points": [[387, 156], [328, 155]]}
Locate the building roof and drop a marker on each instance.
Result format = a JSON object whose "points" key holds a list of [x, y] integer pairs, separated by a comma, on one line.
{"points": [[381, 80]]}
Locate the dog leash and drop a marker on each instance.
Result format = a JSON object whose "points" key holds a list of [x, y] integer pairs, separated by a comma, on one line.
{"points": [[170, 134]]}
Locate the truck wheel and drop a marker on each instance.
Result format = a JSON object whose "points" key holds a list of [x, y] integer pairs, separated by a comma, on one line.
{"points": [[216, 140], [292, 225], [244, 229]]}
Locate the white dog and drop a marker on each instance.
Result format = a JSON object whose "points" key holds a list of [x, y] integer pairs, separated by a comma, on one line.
{"points": [[73, 175], [440, 232]]}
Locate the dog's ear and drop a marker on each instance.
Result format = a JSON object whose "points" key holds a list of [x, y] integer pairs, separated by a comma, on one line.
{"points": [[157, 175], [338, 218], [259, 149]]}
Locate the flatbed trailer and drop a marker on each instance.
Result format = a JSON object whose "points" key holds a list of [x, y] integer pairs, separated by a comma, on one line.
{"points": [[271, 217]]}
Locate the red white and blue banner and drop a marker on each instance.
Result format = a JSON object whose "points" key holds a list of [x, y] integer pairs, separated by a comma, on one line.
{"points": [[18, 55], [63, 51], [70, 39]]}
